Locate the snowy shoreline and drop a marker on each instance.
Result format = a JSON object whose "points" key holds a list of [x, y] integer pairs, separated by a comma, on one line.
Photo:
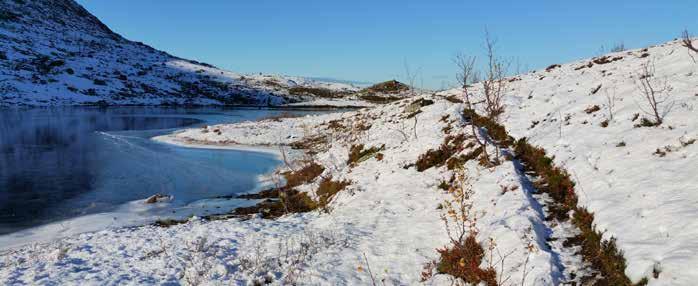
{"points": [[137, 213], [172, 139]]}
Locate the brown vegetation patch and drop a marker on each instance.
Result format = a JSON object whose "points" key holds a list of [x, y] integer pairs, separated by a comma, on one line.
{"points": [[603, 255], [304, 175], [358, 154], [289, 201], [454, 99], [437, 157], [462, 260], [328, 188], [458, 161], [313, 144], [592, 109], [496, 131], [389, 87], [590, 64], [606, 59], [552, 67], [316, 91], [379, 99]]}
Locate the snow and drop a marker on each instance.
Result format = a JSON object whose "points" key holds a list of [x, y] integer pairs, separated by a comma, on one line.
{"points": [[388, 218], [646, 201]]}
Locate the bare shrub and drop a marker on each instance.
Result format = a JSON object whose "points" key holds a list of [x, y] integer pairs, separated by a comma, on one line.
{"points": [[610, 103], [655, 93], [619, 47], [287, 257], [687, 42], [494, 85], [467, 75], [463, 257]]}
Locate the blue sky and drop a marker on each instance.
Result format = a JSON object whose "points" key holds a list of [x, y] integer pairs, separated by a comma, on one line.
{"points": [[366, 40]]}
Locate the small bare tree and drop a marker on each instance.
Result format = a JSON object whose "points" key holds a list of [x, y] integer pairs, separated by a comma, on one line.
{"points": [[610, 102], [466, 76], [655, 93], [494, 85], [459, 217], [411, 78], [619, 47], [687, 42]]}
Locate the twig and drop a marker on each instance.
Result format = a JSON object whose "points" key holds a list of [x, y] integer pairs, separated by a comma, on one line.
{"points": [[368, 267]]}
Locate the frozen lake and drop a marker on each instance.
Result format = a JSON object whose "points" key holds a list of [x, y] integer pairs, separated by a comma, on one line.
{"points": [[61, 163]]}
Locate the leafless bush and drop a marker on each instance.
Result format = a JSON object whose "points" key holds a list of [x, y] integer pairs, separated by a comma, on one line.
{"points": [[655, 93], [287, 257], [196, 262], [61, 251], [687, 42], [610, 102], [459, 218], [494, 85], [502, 276], [619, 47], [466, 76]]}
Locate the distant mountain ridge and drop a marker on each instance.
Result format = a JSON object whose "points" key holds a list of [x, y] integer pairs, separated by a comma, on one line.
{"points": [[54, 52]]}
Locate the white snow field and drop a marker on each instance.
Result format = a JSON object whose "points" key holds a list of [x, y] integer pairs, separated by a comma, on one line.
{"points": [[388, 219]]}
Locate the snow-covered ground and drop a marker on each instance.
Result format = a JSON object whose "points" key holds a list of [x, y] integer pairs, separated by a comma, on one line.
{"points": [[639, 181], [387, 220], [647, 200]]}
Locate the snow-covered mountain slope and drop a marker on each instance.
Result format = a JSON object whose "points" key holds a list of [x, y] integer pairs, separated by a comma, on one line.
{"points": [[54, 52], [641, 182], [385, 226]]}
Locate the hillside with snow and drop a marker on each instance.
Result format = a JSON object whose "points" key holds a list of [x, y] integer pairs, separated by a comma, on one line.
{"points": [[369, 192], [54, 52]]}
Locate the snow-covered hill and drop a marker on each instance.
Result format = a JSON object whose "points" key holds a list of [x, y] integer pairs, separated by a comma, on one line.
{"points": [[54, 52], [640, 182], [394, 169]]}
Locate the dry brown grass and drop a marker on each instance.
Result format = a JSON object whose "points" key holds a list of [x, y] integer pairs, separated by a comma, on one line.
{"points": [[327, 189], [437, 157]]}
